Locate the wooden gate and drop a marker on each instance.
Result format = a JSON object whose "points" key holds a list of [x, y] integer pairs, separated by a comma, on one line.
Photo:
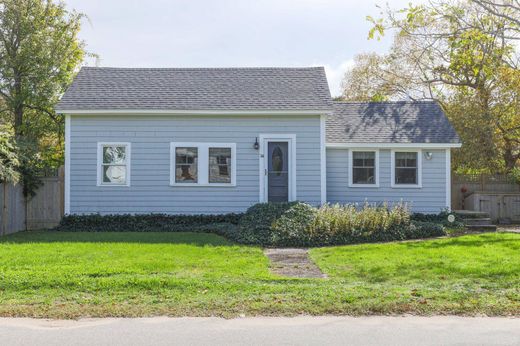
{"points": [[44, 210]]}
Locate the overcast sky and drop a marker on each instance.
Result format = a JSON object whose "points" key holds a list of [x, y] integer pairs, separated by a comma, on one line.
{"points": [[231, 33]]}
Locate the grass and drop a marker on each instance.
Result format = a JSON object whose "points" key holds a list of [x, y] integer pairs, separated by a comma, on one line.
{"points": [[70, 275]]}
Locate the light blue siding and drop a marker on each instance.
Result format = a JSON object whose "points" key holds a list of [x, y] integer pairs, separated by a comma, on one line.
{"points": [[150, 137], [431, 198]]}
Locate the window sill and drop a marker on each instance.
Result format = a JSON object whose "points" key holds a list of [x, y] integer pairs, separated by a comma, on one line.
{"points": [[374, 186], [403, 186], [113, 185], [202, 185]]}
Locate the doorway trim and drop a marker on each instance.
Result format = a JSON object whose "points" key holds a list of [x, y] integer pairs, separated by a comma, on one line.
{"points": [[263, 157]]}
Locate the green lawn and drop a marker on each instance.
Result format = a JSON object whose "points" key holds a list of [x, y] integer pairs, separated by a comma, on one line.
{"points": [[68, 275]]}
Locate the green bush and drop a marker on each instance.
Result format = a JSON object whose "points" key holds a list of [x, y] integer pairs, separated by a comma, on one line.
{"points": [[279, 224], [420, 229], [141, 222], [441, 218], [255, 226], [294, 226], [347, 224]]}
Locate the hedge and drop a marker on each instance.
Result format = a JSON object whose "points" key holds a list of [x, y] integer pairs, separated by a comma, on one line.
{"points": [[279, 224], [141, 222]]}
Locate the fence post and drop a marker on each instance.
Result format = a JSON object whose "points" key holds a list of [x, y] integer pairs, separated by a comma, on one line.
{"points": [[4, 210], [61, 184]]}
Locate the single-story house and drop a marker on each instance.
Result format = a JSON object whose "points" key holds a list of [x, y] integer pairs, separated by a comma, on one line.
{"points": [[218, 140]]}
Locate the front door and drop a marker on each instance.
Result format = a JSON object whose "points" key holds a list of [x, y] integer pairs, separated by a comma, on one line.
{"points": [[277, 174]]}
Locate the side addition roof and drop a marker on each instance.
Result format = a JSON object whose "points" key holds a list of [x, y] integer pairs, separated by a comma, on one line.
{"points": [[389, 122], [194, 89]]}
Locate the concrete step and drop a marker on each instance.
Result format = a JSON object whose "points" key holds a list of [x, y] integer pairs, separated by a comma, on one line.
{"points": [[481, 228], [471, 214], [480, 221]]}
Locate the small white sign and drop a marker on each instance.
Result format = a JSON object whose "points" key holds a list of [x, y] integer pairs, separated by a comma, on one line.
{"points": [[451, 218]]}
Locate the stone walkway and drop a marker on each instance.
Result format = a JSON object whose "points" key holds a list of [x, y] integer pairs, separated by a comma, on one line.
{"points": [[294, 263], [509, 228]]}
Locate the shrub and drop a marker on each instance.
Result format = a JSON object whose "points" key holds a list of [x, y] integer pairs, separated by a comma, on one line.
{"points": [[141, 222], [441, 218], [255, 227], [279, 224], [420, 229], [293, 227], [346, 224]]}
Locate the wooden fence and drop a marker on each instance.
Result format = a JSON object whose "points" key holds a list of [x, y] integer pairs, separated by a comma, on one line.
{"points": [[479, 183], [42, 211]]}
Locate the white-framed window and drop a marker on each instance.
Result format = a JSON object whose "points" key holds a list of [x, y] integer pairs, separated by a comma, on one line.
{"points": [[364, 168], [406, 168], [202, 164], [113, 164]]}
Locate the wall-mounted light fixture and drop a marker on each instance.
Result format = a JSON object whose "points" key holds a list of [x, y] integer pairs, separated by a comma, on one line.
{"points": [[428, 155], [256, 145]]}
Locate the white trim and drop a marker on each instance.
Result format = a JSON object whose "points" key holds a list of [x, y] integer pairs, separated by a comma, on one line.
{"points": [[323, 159], [393, 145], [448, 179], [203, 163], [190, 112], [128, 155], [67, 166], [351, 167], [419, 169], [291, 140]]}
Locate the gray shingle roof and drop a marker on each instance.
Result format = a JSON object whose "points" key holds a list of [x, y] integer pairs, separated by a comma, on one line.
{"points": [[235, 89], [389, 122]]}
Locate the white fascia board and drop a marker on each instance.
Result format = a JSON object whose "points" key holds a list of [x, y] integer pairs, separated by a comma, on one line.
{"points": [[188, 112], [394, 145]]}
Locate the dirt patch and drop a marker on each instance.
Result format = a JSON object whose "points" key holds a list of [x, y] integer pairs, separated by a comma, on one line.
{"points": [[294, 263]]}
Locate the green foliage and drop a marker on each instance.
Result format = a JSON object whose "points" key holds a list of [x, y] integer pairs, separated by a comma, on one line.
{"points": [[9, 163], [440, 219], [256, 224], [144, 222], [279, 224], [40, 54], [294, 226], [348, 224], [70, 275], [422, 229], [461, 55]]}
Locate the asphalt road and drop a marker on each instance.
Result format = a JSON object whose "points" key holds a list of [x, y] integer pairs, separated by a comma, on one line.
{"points": [[263, 331]]}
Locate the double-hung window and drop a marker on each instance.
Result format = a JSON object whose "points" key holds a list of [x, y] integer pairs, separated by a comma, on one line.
{"points": [[203, 164], [406, 168], [364, 170], [113, 164]]}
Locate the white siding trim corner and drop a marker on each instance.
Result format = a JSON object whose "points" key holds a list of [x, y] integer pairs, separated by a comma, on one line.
{"points": [[448, 179], [67, 166], [323, 158]]}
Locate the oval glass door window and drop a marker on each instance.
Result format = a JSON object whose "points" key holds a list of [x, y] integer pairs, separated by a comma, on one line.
{"points": [[277, 160], [278, 172]]}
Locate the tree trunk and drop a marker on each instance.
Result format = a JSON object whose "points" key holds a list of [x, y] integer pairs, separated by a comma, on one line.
{"points": [[18, 104], [509, 158], [18, 121]]}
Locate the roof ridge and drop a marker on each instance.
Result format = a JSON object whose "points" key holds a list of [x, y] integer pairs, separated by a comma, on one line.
{"points": [[203, 68], [383, 102]]}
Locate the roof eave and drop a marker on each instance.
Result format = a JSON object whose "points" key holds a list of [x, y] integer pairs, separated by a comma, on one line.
{"points": [[394, 145], [190, 112]]}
